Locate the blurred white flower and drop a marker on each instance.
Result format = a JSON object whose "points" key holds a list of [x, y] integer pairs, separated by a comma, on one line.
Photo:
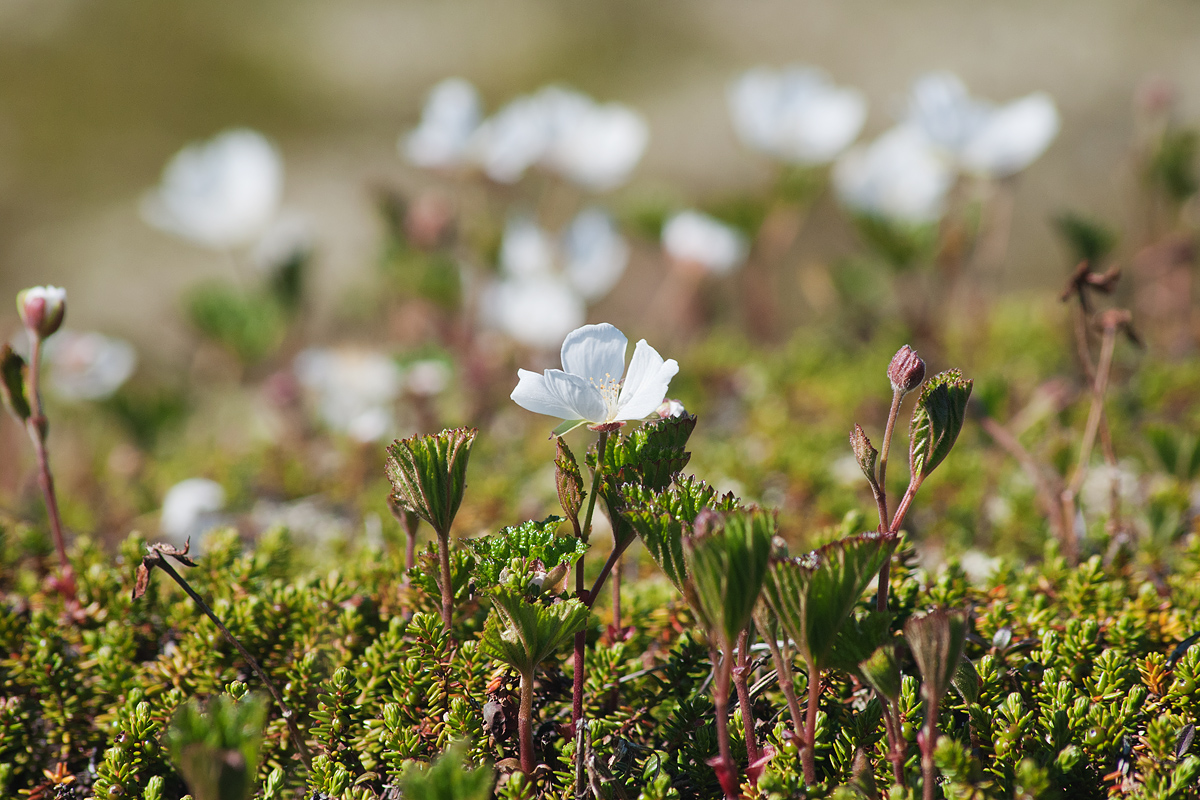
{"points": [[593, 145], [978, 566], [537, 311], [88, 366], [354, 389], [1096, 493], [696, 238], [1014, 137], [220, 193], [898, 177], [796, 114], [984, 139], [427, 377], [599, 146], [596, 254], [190, 508], [593, 386], [448, 121], [526, 251], [670, 409]]}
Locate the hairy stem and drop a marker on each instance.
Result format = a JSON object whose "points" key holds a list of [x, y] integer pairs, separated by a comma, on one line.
{"points": [[525, 724], [727, 771], [881, 594], [740, 675], [288, 716], [36, 426], [447, 580], [581, 636], [928, 743], [783, 672], [897, 747], [808, 754], [905, 502]]}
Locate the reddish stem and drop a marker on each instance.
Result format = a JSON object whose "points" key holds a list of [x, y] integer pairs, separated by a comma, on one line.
{"points": [[740, 674], [36, 426]]}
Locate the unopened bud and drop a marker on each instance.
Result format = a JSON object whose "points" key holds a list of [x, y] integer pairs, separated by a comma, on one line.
{"points": [[866, 455], [42, 309], [670, 409], [906, 371]]}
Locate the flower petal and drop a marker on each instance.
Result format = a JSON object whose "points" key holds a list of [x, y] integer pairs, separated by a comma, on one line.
{"points": [[646, 384], [559, 394], [595, 353]]}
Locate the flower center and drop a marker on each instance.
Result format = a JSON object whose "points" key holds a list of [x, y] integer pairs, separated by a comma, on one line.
{"points": [[609, 388]]}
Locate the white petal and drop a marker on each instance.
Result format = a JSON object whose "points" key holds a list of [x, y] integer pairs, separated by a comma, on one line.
{"points": [[595, 353], [596, 253], [697, 238], [646, 385], [579, 395], [533, 394], [537, 312], [526, 251], [899, 177], [1014, 136]]}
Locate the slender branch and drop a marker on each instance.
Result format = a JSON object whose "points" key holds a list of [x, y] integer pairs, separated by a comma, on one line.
{"points": [[727, 770], [783, 671], [881, 472], [581, 637], [740, 673], [447, 580], [897, 747], [905, 502], [1045, 490], [928, 742], [288, 715], [36, 426]]}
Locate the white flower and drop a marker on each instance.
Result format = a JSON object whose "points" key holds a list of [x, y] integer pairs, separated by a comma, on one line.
{"points": [[598, 147], [593, 145], [354, 389], [596, 254], [88, 366], [984, 139], [42, 309], [536, 311], [526, 251], [427, 377], [289, 236], [220, 193], [589, 388], [796, 114], [670, 409], [191, 507], [898, 177], [1014, 137], [697, 238], [448, 121]]}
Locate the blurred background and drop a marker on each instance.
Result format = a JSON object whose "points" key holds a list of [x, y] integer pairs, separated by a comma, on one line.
{"points": [[935, 181]]}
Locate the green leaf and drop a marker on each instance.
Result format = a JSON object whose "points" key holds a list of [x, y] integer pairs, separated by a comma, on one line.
{"points": [[1090, 239], [660, 518], [727, 555], [1166, 446], [937, 419], [881, 671], [12, 383], [447, 778], [528, 542], [936, 641], [566, 427], [426, 573], [251, 325], [650, 456], [865, 454], [569, 481], [813, 595], [523, 634], [216, 748], [429, 474], [859, 637]]}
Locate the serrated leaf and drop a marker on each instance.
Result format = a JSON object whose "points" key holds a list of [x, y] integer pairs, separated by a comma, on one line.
{"points": [[523, 634], [859, 637], [727, 555], [429, 474], [447, 778], [12, 383], [813, 595], [660, 519], [936, 641], [937, 420], [865, 454], [881, 671], [426, 574], [526, 542]]}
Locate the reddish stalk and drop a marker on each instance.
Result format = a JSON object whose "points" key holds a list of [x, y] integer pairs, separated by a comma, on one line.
{"points": [[37, 427], [783, 672], [525, 725], [808, 754], [726, 769], [740, 675], [881, 594]]}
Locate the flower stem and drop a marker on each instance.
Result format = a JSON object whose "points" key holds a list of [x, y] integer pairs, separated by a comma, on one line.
{"points": [[726, 770], [783, 672], [525, 724], [881, 594], [581, 636], [808, 753], [928, 742], [288, 715], [447, 580], [896, 744], [740, 673], [37, 428]]}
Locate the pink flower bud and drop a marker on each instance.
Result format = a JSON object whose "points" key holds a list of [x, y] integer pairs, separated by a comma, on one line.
{"points": [[906, 371], [42, 309]]}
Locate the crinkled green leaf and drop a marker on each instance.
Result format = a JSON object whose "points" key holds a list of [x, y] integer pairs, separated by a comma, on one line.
{"points": [[860, 635], [937, 419], [660, 518], [523, 634], [429, 474], [568, 481], [216, 747], [528, 542], [936, 641], [727, 555], [813, 595], [881, 671]]}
